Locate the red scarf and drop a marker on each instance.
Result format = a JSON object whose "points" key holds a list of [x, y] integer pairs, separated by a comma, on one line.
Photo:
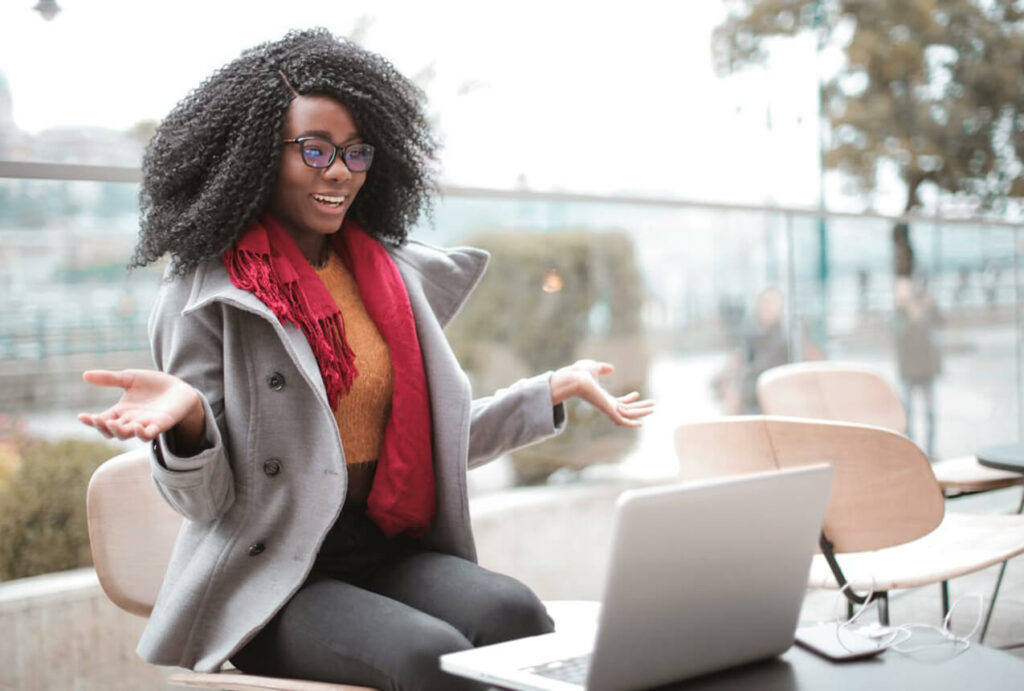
{"points": [[266, 262]]}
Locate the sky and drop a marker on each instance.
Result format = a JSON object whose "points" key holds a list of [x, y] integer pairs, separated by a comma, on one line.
{"points": [[569, 95]]}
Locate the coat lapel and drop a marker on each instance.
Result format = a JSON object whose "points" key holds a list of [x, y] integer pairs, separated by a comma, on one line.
{"points": [[447, 277], [214, 285]]}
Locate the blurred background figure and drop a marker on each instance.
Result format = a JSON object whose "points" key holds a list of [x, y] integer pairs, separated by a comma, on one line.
{"points": [[764, 343], [963, 283], [863, 290], [918, 358], [990, 278]]}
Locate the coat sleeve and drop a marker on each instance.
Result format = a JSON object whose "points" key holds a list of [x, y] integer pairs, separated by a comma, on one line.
{"points": [[516, 416], [199, 487]]}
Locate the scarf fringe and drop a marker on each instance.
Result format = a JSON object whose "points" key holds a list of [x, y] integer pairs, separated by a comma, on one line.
{"points": [[254, 272]]}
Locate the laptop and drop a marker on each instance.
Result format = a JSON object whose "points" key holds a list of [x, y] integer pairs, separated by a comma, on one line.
{"points": [[702, 576]]}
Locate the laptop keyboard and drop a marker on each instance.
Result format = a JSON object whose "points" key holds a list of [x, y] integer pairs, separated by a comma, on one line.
{"points": [[572, 670]]}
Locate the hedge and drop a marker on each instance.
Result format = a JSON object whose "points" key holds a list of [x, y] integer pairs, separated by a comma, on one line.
{"points": [[42, 503], [546, 300]]}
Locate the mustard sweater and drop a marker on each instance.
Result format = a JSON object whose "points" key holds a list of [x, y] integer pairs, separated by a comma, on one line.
{"points": [[362, 413]]}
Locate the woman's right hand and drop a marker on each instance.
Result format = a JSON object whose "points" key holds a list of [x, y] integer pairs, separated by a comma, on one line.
{"points": [[153, 403]]}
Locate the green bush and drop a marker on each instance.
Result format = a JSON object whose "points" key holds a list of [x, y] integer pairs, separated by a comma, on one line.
{"points": [[42, 506], [546, 300]]}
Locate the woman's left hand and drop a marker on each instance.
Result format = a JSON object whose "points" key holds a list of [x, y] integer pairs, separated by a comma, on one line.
{"points": [[581, 379]]}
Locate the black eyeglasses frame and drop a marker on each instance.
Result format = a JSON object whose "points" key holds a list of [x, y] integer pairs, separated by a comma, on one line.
{"points": [[343, 150]]}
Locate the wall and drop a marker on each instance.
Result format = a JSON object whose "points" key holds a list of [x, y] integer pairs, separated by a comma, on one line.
{"points": [[60, 632]]}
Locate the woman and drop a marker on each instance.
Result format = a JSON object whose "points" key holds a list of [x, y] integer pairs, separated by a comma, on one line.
{"points": [[308, 418], [916, 321]]}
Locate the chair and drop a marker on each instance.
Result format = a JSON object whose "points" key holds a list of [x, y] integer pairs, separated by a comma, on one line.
{"points": [[132, 532], [885, 526], [855, 393]]}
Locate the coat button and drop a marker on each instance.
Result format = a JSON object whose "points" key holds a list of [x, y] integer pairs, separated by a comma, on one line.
{"points": [[276, 381], [271, 467], [256, 548]]}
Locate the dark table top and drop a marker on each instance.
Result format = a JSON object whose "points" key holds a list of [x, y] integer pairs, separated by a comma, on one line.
{"points": [[930, 662], [1004, 457], [944, 666]]}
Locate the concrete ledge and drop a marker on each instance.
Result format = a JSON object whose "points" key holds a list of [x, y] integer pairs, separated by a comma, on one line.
{"points": [[61, 632], [554, 539], [26, 593]]}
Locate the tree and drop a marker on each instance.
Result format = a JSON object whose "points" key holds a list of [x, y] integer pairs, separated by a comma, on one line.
{"points": [[933, 87]]}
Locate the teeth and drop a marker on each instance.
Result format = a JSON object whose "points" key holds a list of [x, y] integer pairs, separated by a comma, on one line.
{"points": [[329, 200]]}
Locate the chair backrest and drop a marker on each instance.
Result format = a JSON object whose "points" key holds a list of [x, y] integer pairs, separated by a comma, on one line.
{"points": [[884, 492], [831, 391], [131, 530]]}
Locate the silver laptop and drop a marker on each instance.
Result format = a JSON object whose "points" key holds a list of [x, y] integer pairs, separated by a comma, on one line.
{"points": [[702, 576]]}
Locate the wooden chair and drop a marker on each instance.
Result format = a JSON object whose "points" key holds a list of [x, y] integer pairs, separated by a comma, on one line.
{"points": [[854, 393], [885, 527], [132, 532]]}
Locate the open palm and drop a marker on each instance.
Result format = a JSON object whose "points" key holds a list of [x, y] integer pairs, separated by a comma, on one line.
{"points": [[582, 379], [153, 402]]}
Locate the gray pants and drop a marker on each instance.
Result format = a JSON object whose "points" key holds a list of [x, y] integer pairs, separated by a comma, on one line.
{"points": [[379, 612]]}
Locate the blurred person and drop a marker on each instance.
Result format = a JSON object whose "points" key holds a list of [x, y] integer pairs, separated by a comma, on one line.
{"points": [[309, 419], [764, 344], [863, 290], [918, 358], [963, 283], [768, 345], [991, 276]]}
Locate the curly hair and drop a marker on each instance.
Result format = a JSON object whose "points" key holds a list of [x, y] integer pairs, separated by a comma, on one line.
{"points": [[212, 163]]}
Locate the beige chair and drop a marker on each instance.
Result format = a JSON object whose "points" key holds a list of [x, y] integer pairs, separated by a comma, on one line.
{"points": [[132, 532], [855, 393], [885, 527]]}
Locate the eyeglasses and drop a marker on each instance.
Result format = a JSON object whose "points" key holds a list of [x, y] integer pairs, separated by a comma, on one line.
{"points": [[320, 153]]}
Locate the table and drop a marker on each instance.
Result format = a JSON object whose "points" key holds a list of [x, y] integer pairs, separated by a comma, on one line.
{"points": [[978, 668], [1003, 457]]}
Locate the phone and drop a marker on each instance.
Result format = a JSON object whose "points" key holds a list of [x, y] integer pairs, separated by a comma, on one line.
{"points": [[827, 640]]}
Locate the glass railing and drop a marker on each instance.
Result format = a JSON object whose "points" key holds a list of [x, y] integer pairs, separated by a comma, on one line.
{"points": [[728, 291], [690, 301], [66, 299]]}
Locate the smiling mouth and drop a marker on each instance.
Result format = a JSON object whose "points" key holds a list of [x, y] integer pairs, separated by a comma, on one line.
{"points": [[328, 200]]}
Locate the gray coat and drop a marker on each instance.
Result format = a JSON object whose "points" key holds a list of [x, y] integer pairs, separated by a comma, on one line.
{"points": [[260, 499]]}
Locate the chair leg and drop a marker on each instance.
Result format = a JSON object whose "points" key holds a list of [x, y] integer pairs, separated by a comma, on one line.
{"points": [[992, 604], [945, 599], [849, 610], [883, 608], [999, 582]]}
